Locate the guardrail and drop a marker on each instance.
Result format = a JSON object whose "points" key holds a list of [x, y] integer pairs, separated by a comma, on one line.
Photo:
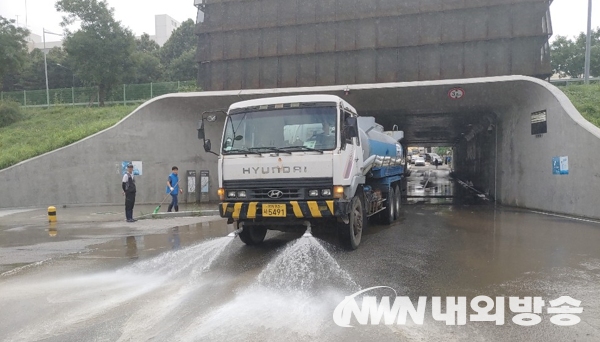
{"points": [[569, 81]]}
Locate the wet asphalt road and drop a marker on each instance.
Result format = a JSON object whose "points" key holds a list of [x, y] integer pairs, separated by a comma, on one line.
{"points": [[190, 283]]}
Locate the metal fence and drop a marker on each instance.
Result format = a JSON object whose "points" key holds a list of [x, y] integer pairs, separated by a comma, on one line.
{"points": [[568, 81], [89, 96]]}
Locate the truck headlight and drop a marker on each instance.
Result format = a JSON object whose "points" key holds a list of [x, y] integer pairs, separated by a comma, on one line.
{"points": [[231, 194], [241, 194], [338, 191], [326, 192], [313, 193]]}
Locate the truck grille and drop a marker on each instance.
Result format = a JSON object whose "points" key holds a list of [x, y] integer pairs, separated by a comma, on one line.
{"points": [[286, 194], [290, 189]]}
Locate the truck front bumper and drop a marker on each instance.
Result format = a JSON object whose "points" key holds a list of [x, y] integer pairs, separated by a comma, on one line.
{"points": [[293, 209]]}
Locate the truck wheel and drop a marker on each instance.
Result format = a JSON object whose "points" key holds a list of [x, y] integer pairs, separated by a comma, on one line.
{"points": [[398, 201], [388, 215], [351, 233], [253, 235]]}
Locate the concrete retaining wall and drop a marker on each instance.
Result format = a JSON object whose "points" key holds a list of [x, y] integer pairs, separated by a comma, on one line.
{"points": [[525, 177]]}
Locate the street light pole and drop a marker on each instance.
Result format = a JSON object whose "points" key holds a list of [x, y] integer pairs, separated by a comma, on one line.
{"points": [[588, 45], [46, 65], [46, 70]]}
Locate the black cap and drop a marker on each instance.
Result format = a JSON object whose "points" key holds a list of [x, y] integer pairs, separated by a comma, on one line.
{"points": [[129, 165]]}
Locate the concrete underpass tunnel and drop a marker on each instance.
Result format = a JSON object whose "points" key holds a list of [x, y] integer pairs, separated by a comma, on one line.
{"points": [[471, 136], [517, 138]]}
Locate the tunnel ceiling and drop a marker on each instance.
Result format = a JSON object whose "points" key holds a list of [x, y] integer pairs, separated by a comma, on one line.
{"points": [[439, 129]]}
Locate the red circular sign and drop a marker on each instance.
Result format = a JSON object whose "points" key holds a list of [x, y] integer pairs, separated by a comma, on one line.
{"points": [[456, 93]]}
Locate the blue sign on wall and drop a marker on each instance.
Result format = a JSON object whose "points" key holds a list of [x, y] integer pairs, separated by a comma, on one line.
{"points": [[137, 167], [560, 165]]}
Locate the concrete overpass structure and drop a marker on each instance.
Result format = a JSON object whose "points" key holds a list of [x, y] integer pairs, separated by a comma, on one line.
{"points": [[490, 126], [262, 44]]}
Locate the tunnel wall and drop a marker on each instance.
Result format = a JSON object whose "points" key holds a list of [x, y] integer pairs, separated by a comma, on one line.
{"points": [[475, 161], [525, 177], [524, 166]]}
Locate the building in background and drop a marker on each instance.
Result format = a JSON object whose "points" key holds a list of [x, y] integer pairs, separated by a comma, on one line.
{"points": [[164, 26]]}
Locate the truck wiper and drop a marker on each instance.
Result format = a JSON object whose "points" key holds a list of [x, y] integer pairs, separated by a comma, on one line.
{"points": [[269, 148], [304, 148], [238, 150]]}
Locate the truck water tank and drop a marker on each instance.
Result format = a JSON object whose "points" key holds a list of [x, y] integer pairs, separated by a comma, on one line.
{"points": [[374, 141]]}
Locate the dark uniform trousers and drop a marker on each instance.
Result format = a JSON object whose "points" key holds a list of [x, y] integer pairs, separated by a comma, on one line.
{"points": [[129, 203], [129, 197]]}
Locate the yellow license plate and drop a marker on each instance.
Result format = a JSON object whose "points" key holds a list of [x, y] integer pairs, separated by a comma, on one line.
{"points": [[273, 210]]}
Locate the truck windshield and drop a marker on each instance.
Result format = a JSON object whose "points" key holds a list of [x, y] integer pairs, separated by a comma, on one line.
{"points": [[281, 130]]}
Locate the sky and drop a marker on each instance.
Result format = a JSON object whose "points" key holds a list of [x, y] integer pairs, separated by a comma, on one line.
{"points": [[138, 15], [569, 17]]}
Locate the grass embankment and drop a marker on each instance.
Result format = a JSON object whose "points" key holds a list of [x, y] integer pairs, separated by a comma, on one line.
{"points": [[586, 98], [43, 130]]}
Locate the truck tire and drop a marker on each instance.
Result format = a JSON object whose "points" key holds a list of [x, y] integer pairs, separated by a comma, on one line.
{"points": [[398, 202], [388, 215], [351, 233], [253, 235]]}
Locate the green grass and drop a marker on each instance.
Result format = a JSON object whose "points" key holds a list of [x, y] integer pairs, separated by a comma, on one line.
{"points": [[586, 98], [44, 130]]}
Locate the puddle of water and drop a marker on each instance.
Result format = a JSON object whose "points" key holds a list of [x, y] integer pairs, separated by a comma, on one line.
{"points": [[70, 301], [7, 212]]}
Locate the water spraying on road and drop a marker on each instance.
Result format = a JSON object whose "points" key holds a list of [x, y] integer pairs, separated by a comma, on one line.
{"points": [[305, 266], [211, 291], [73, 301], [292, 299]]}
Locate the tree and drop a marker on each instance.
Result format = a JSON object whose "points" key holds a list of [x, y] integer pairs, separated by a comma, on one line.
{"points": [[182, 43], [565, 59], [184, 66], [101, 50], [148, 67], [59, 75], [147, 45], [13, 47], [568, 56]]}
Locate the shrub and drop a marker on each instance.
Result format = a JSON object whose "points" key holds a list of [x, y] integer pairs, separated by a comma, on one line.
{"points": [[10, 112]]}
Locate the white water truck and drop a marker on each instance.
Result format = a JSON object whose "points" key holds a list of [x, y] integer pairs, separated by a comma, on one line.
{"points": [[306, 161]]}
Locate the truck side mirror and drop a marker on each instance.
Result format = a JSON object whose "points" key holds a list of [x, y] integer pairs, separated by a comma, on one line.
{"points": [[351, 124], [207, 145], [201, 130]]}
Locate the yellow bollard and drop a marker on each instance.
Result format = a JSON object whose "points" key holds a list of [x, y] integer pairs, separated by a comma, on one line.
{"points": [[51, 214], [52, 231]]}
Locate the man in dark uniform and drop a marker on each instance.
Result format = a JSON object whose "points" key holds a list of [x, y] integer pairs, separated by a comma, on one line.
{"points": [[128, 185]]}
